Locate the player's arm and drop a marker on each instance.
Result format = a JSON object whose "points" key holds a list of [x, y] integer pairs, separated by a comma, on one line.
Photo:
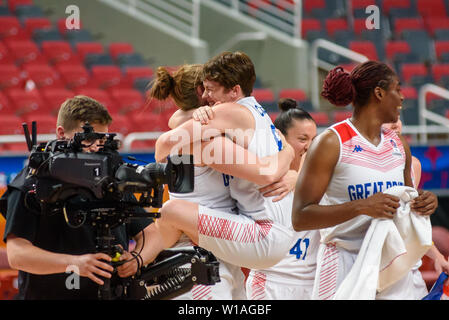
{"points": [[179, 117], [228, 116], [408, 163], [313, 180], [427, 202], [416, 165], [230, 158]]}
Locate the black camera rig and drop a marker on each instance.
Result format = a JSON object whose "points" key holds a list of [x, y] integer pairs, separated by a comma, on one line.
{"points": [[92, 187]]}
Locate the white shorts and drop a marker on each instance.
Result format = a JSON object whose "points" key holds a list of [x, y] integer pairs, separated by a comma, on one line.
{"points": [[259, 287], [335, 263], [410, 287], [241, 240]]}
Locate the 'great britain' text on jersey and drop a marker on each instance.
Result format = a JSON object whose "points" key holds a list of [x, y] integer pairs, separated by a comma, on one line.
{"points": [[363, 191]]}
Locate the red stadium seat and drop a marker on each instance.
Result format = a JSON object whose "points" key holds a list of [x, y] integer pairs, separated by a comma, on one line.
{"points": [[147, 121], [435, 23], [389, 4], [310, 24], [366, 48], [25, 51], [335, 24], [74, 76], [108, 77], [5, 105], [263, 95], [401, 24], [12, 4], [45, 123], [359, 25], [441, 47], [128, 100], [321, 118], [133, 73], [26, 101], [432, 8], [85, 48], [296, 94], [35, 23], [409, 92], [361, 4], [408, 70], [392, 48], [310, 5], [121, 124], [54, 97], [5, 56], [440, 70], [160, 106], [43, 76], [340, 115], [10, 124], [11, 28], [10, 77], [116, 48], [60, 51], [101, 96]]}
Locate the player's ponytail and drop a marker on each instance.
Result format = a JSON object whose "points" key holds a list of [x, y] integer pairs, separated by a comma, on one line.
{"points": [[162, 85]]}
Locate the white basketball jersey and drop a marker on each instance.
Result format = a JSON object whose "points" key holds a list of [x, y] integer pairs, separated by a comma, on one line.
{"points": [[211, 189], [264, 142], [362, 170]]}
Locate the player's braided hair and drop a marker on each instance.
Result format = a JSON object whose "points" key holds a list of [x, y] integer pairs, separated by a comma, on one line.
{"points": [[342, 88]]}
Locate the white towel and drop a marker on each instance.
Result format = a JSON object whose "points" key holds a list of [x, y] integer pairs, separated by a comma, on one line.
{"points": [[389, 250]]}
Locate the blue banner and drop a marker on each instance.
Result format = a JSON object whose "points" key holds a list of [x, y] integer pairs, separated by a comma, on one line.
{"points": [[435, 166], [434, 162]]}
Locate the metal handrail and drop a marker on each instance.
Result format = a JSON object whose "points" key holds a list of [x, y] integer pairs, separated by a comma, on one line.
{"points": [[289, 34], [425, 114]]}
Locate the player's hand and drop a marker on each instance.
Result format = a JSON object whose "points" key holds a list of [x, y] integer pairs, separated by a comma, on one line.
{"points": [[129, 268], [425, 204], [282, 187], [441, 264], [381, 205], [94, 265], [203, 114]]}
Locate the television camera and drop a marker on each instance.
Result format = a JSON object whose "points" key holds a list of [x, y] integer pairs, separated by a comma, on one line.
{"points": [[101, 189]]}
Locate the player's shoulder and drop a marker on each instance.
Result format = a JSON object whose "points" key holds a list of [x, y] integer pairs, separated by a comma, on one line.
{"points": [[232, 112], [327, 138]]}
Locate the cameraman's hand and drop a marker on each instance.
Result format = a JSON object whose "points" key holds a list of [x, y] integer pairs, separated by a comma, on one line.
{"points": [[93, 265], [128, 268]]}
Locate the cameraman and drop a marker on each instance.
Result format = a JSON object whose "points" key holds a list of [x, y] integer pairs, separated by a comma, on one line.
{"points": [[46, 250]]}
